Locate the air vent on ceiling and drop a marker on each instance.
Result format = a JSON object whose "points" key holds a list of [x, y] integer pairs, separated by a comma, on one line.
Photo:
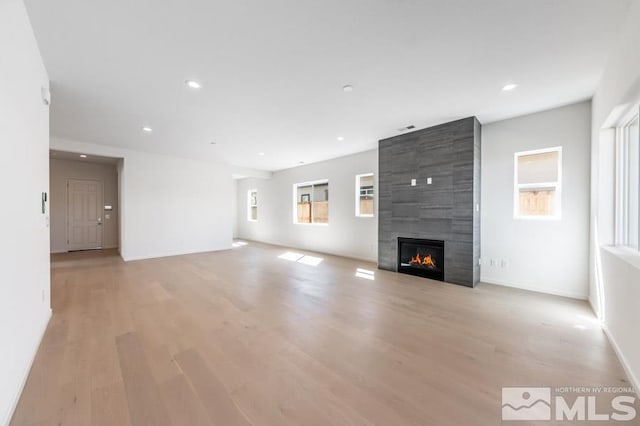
{"points": [[406, 128]]}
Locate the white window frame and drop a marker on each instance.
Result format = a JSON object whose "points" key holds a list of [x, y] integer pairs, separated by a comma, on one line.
{"points": [[557, 185], [358, 214], [295, 203], [622, 178], [249, 205]]}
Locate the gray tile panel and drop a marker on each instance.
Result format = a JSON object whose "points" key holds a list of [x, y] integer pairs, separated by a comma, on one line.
{"points": [[449, 154]]}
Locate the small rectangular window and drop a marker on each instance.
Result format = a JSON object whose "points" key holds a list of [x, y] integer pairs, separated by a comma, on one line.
{"points": [[628, 182], [252, 205], [364, 195], [311, 202], [537, 189]]}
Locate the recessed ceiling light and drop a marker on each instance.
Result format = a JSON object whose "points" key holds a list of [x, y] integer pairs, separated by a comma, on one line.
{"points": [[83, 156], [147, 129], [192, 84], [213, 143], [347, 88], [509, 87], [340, 138], [261, 154], [300, 162]]}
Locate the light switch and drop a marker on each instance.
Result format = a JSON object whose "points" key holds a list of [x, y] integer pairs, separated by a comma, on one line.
{"points": [[413, 182], [429, 181]]}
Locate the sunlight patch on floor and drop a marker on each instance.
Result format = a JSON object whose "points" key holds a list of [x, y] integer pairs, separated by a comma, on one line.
{"points": [[301, 258], [292, 256], [310, 260], [237, 244], [366, 274]]}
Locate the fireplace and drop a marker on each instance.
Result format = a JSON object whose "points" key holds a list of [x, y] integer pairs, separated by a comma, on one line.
{"points": [[421, 257]]}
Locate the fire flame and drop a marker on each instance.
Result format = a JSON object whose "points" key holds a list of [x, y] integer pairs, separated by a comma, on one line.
{"points": [[425, 261]]}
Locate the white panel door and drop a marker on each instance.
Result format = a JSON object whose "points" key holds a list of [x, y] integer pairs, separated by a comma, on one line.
{"points": [[84, 214]]}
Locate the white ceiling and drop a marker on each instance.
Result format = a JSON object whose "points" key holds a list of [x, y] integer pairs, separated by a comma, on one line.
{"points": [[273, 71]]}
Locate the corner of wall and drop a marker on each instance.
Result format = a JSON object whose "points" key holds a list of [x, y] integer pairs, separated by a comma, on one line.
{"points": [[635, 383], [27, 370]]}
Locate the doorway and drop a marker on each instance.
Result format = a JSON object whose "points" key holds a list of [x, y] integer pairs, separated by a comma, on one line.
{"points": [[84, 201], [84, 214]]}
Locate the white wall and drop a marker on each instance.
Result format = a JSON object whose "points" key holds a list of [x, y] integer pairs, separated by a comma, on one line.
{"points": [[62, 170], [549, 256], [614, 275], [345, 235], [169, 205], [24, 175]]}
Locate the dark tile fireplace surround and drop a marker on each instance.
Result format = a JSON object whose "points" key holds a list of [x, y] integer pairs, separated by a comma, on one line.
{"points": [[429, 205]]}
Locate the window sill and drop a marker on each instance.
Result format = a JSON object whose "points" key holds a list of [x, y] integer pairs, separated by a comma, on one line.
{"points": [[627, 254], [311, 224], [365, 215], [252, 220]]}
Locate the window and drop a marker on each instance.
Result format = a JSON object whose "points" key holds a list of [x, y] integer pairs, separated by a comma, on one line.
{"points": [[364, 195], [311, 202], [252, 205], [627, 182], [537, 189]]}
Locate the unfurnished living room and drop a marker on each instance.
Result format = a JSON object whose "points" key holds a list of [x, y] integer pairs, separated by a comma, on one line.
{"points": [[356, 212]]}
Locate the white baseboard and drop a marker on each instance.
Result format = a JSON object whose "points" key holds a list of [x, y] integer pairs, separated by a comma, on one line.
{"points": [[625, 365], [571, 295], [27, 370], [172, 253]]}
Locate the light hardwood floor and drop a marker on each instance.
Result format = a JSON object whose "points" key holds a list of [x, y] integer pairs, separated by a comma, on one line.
{"points": [[243, 337]]}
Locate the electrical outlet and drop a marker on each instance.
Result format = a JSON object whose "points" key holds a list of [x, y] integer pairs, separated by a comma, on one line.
{"points": [[492, 262], [413, 182], [429, 181], [504, 263]]}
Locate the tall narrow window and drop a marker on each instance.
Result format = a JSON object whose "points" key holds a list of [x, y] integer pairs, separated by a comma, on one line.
{"points": [[252, 205], [311, 202], [364, 195], [628, 182], [537, 189]]}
